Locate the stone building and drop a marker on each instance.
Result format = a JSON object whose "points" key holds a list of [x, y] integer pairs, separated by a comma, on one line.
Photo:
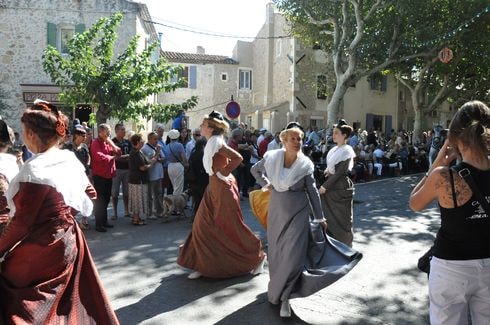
{"points": [[27, 27], [213, 78], [276, 79]]}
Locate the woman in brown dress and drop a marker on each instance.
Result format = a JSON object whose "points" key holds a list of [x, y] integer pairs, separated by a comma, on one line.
{"points": [[220, 245], [48, 275]]}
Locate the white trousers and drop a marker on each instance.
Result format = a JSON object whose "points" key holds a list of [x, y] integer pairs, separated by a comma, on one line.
{"points": [[176, 175], [456, 287]]}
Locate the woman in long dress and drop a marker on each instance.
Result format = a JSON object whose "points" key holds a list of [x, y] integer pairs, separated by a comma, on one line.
{"points": [[8, 169], [48, 276], [337, 191], [288, 174], [220, 244]]}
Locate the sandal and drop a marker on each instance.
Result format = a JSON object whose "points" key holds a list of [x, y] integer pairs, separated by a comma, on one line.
{"points": [[139, 222]]}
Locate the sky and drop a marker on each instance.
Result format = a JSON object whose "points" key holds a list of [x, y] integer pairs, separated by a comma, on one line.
{"points": [[229, 17]]}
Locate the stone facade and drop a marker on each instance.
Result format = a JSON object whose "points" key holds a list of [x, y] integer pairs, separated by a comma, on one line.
{"points": [[212, 78], [24, 32]]}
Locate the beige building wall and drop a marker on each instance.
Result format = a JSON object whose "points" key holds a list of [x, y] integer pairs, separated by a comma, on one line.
{"points": [[362, 100], [23, 38]]}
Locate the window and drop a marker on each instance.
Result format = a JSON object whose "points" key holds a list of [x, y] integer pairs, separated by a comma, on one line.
{"points": [[59, 35], [188, 77], [183, 77], [378, 81], [244, 79], [249, 120], [401, 95], [66, 34], [224, 76], [321, 87]]}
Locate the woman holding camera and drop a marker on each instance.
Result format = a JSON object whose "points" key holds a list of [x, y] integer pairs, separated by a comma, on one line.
{"points": [[459, 279]]}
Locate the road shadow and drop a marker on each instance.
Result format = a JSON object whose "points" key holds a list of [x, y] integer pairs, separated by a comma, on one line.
{"points": [[379, 309], [177, 291], [261, 312], [384, 206]]}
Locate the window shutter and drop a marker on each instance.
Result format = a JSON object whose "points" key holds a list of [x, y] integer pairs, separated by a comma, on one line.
{"points": [[388, 122], [369, 121], [384, 83], [52, 34], [192, 77], [79, 28], [250, 80]]}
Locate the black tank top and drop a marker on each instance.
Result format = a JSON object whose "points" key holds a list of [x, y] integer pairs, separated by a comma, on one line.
{"points": [[465, 229]]}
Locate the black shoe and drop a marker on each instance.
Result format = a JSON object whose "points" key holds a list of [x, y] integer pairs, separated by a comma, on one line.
{"points": [[107, 225], [100, 229]]}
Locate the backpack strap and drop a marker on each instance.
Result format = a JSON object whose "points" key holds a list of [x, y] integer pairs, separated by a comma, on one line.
{"points": [[451, 178], [466, 175]]}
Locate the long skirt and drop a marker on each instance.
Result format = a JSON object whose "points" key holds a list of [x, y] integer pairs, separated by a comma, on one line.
{"points": [[53, 284], [337, 207], [138, 199], [220, 244]]}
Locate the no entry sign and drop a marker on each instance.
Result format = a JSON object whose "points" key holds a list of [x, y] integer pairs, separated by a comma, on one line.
{"points": [[233, 110]]}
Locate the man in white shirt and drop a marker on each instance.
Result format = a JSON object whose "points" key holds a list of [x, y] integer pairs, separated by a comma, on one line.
{"points": [[261, 136], [378, 155], [275, 143], [196, 135], [155, 174]]}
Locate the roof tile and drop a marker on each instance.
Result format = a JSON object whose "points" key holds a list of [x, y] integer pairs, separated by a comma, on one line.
{"points": [[179, 57]]}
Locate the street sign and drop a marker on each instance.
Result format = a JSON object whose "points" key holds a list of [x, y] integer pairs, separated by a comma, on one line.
{"points": [[232, 110]]}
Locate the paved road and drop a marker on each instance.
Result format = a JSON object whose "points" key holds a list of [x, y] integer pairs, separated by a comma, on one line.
{"points": [[145, 285]]}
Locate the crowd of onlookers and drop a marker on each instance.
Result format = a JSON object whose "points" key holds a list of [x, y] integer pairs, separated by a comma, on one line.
{"points": [[147, 169]]}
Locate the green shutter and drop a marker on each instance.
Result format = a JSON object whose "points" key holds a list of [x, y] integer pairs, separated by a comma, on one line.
{"points": [[79, 28], [52, 34]]}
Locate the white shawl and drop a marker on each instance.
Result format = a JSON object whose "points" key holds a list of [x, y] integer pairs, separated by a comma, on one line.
{"points": [[274, 163], [59, 169], [338, 154], [212, 147]]}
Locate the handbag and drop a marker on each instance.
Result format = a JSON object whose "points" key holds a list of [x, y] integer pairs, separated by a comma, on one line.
{"points": [[259, 204], [424, 261]]}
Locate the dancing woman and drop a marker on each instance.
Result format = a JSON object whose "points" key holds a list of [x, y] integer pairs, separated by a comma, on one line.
{"points": [[48, 276], [220, 244], [288, 173], [337, 191]]}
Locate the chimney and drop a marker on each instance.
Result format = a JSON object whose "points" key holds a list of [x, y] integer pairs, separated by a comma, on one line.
{"points": [[200, 50], [160, 38], [269, 13]]}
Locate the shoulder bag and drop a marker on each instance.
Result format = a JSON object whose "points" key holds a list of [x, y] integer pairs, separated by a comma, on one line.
{"points": [[424, 261]]}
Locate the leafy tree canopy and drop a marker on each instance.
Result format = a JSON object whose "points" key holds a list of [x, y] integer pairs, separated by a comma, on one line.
{"points": [[118, 87], [363, 37]]}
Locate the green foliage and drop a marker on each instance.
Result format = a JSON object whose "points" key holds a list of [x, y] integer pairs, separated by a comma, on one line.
{"points": [[451, 24], [118, 87], [400, 37]]}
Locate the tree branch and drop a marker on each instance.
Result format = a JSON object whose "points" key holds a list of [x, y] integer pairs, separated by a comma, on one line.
{"points": [[374, 7], [404, 82], [441, 94], [314, 21], [359, 26]]}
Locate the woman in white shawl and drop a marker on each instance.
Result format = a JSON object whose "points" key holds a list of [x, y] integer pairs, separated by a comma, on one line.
{"points": [[338, 189], [288, 174], [220, 244]]}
